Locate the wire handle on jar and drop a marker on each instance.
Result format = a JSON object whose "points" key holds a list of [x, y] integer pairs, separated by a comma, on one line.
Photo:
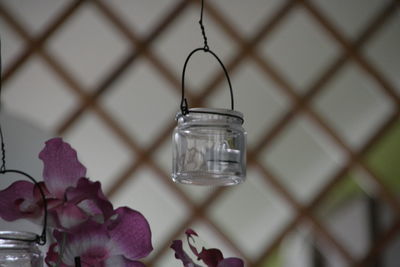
{"points": [[206, 49], [40, 239]]}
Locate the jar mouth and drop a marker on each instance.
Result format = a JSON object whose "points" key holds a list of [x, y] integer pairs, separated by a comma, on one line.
{"points": [[15, 236], [213, 111]]}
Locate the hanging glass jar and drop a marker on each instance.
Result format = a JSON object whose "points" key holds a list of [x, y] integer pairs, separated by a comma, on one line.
{"points": [[209, 144], [209, 147], [19, 249]]}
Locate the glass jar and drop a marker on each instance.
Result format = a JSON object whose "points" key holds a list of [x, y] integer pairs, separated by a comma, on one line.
{"points": [[209, 147], [18, 250]]}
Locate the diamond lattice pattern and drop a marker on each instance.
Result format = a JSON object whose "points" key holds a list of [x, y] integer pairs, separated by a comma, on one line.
{"points": [[317, 80]]}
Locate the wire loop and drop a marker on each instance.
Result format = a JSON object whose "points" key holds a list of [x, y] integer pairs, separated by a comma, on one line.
{"points": [[184, 104], [40, 239], [206, 49], [203, 31]]}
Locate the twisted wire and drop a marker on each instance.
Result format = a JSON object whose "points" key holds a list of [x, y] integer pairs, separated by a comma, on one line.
{"points": [[40, 239], [3, 149], [203, 31], [184, 105], [3, 152]]}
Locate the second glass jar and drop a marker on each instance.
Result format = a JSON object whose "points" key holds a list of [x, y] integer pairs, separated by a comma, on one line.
{"points": [[18, 250]]}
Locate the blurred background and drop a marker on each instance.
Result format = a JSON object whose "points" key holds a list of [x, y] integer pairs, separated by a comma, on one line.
{"points": [[318, 82]]}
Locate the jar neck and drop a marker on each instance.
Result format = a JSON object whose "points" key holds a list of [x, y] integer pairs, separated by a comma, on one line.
{"points": [[211, 115], [17, 240]]}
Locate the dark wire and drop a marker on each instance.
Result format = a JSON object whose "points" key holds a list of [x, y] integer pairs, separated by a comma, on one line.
{"points": [[184, 104], [205, 48], [1, 69], [40, 239], [203, 31], [3, 150], [77, 261]]}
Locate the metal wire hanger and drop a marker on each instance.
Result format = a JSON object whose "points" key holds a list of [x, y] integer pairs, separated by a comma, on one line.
{"points": [[184, 104], [40, 239]]}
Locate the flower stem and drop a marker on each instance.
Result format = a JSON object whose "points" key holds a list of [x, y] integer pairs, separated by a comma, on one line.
{"points": [[62, 246], [77, 262]]}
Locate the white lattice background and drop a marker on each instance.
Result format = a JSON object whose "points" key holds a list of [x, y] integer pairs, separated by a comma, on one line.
{"points": [[318, 83]]}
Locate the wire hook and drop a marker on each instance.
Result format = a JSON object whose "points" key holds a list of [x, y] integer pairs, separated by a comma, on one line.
{"points": [[184, 105]]}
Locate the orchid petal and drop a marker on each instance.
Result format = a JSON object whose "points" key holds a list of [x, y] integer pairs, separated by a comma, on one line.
{"points": [[18, 201], [68, 216], [90, 208], [88, 196], [181, 254], [231, 262], [61, 166], [130, 234], [52, 256], [189, 233], [37, 194], [89, 241], [211, 257], [80, 203]]}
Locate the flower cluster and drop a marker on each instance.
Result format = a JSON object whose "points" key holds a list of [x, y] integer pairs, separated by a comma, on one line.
{"points": [[85, 224], [211, 257]]}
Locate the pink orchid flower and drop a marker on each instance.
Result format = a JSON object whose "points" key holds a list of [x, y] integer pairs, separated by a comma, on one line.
{"points": [[86, 225], [211, 257], [113, 243], [71, 198]]}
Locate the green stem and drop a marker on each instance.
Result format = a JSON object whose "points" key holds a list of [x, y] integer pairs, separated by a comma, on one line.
{"points": [[62, 246]]}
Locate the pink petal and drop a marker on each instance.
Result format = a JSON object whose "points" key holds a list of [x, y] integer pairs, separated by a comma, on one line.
{"points": [[86, 201], [181, 254], [18, 201], [38, 195], [61, 167], [89, 241], [52, 256], [231, 262], [130, 234], [68, 216], [94, 256], [211, 257], [90, 208], [89, 197], [189, 232]]}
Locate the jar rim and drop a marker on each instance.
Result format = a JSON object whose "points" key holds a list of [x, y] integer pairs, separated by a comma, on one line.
{"points": [[214, 111], [18, 236]]}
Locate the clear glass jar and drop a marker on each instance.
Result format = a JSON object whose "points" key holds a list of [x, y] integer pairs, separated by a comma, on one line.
{"points": [[16, 251], [209, 147]]}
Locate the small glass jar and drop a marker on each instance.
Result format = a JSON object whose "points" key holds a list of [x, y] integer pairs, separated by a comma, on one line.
{"points": [[18, 250], [209, 147]]}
